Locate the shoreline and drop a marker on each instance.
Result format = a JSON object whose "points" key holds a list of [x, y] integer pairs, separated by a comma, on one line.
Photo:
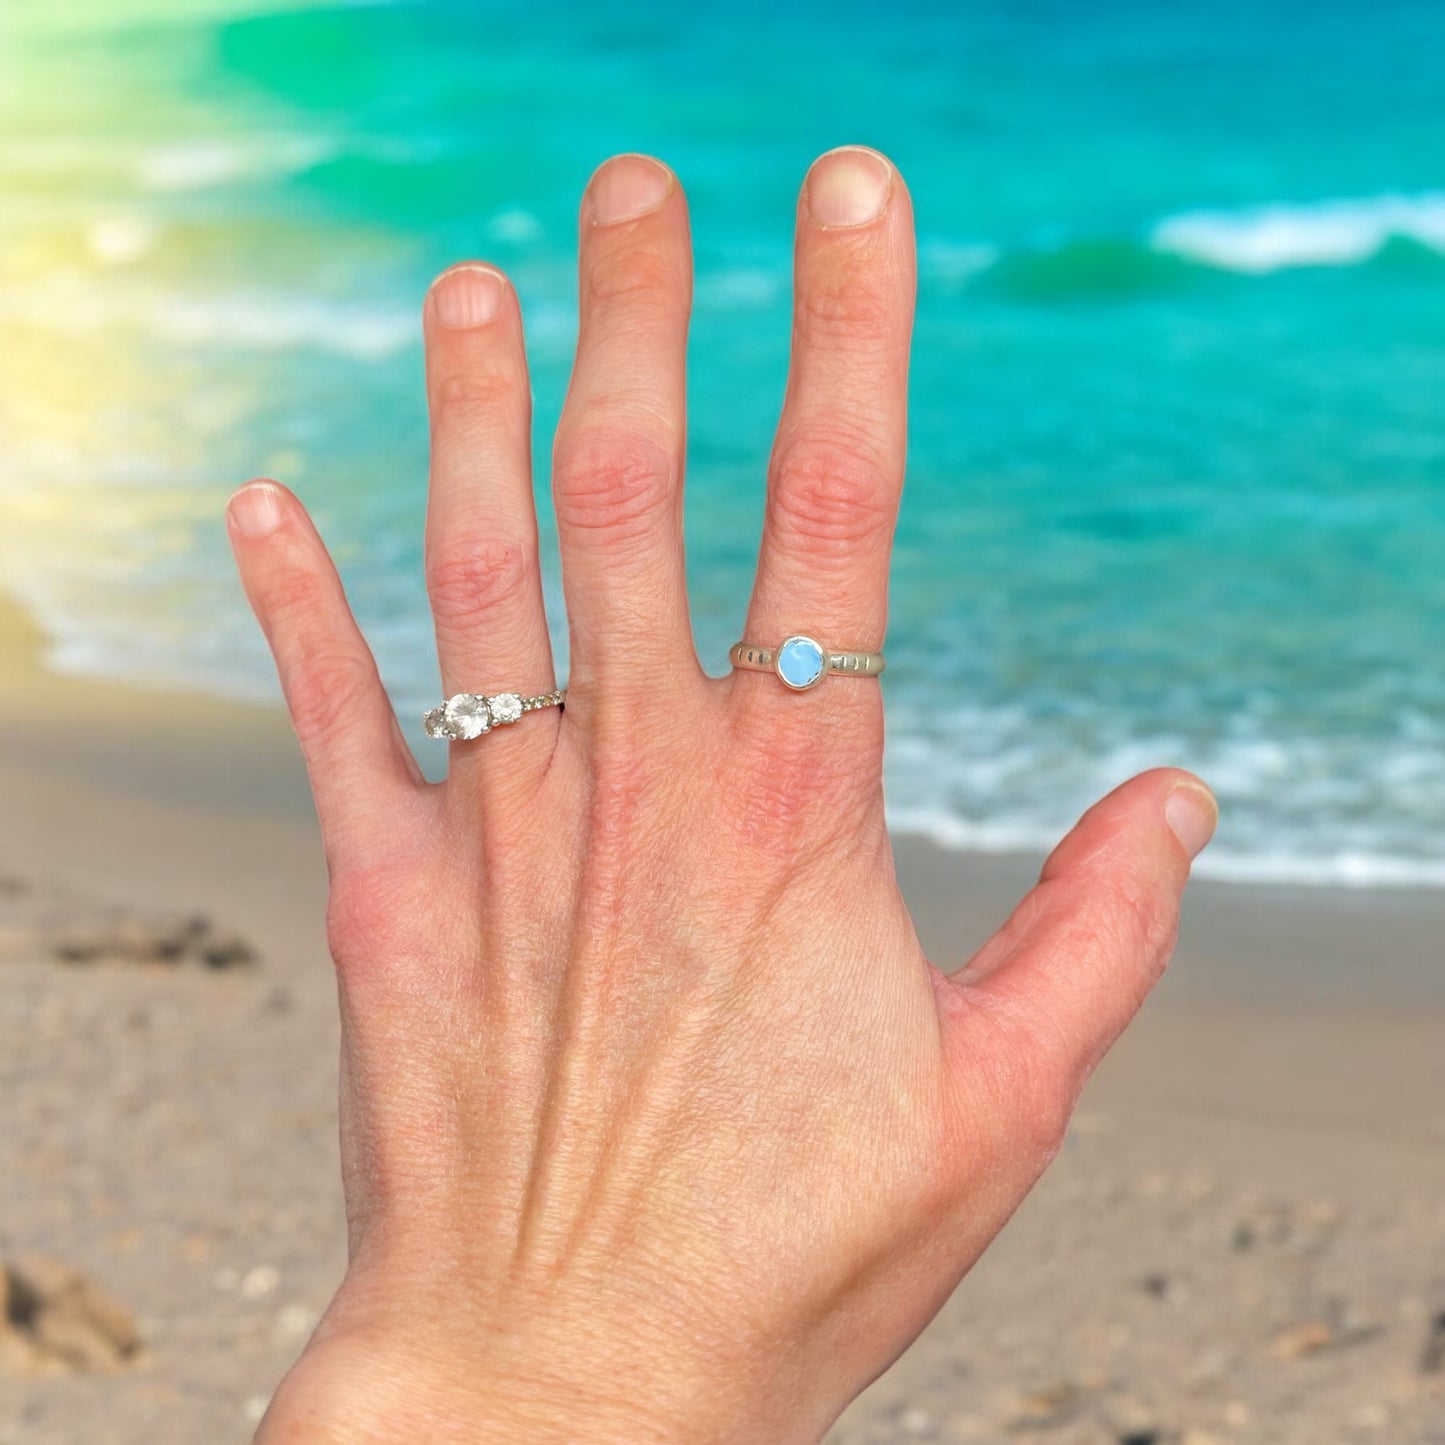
{"points": [[172, 1131], [1307, 877], [166, 750], [1332, 1003]]}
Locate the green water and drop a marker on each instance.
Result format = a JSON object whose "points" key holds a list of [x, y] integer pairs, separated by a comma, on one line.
{"points": [[1175, 491]]}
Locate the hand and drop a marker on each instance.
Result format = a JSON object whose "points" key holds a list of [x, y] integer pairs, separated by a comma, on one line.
{"points": [[656, 1122]]}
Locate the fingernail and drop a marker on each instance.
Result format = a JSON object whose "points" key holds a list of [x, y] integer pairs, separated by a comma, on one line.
{"points": [[628, 187], [467, 296], [255, 510], [1192, 814], [848, 187]]}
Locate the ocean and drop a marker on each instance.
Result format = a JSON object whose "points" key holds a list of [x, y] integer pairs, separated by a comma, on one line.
{"points": [[1177, 482]]}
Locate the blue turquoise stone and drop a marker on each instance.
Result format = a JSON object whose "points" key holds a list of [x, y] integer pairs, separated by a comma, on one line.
{"points": [[800, 662]]}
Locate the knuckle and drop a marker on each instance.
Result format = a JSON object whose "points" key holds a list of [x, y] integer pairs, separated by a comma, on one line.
{"points": [[294, 597], [622, 784], [1150, 927], [1127, 915], [637, 275], [365, 915], [624, 481], [621, 826], [841, 313], [326, 676], [799, 783], [472, 404], [327, 693], [1044, 1112], [1040, 1092], [466, 583], [832, 492]]}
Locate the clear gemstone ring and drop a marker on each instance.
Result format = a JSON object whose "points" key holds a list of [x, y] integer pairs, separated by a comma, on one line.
{"points": [[468, 715], [802, 662]]}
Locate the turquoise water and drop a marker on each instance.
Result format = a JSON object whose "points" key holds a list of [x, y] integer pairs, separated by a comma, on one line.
{"points": [[1177, 486]]}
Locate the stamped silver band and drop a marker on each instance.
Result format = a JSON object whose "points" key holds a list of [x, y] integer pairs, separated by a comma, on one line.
{"points": [[468, 715], [802, 662]]}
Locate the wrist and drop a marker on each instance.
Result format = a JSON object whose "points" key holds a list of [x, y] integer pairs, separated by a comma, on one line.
{"points": [[378, 1387]]}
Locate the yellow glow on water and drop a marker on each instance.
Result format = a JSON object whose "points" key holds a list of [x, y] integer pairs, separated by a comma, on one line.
{"points": [[169, 302], [41, 17], [90, 418]]}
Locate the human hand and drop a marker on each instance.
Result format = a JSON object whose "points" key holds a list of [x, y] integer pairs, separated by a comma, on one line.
{"points": [[656, 1122]]}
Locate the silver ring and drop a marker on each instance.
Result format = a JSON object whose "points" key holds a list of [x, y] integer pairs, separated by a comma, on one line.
{"points": [[801, 662], [468, 715]]}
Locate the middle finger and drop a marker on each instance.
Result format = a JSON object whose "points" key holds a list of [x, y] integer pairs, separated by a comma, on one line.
{"points": [[617, 463]]}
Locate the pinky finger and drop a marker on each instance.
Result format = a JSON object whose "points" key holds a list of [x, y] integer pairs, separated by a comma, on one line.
{"points": [[362, 771]]}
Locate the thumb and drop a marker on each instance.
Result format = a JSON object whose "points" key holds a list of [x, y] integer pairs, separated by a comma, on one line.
{"points": [[1069, 970]]}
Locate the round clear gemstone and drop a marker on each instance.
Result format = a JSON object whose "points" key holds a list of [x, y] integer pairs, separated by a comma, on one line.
{"points": [[800, 662], [505, 707], [466, 716]]}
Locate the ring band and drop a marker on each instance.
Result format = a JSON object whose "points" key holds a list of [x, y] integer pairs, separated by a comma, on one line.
{"points": [[802, 662], [468, 715]]}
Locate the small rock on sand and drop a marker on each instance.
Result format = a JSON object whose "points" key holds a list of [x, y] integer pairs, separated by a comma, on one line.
{"points": [[916, 1422], [1432, 1357], [1299, 1341], [1052, 1405], [132, 939], [56, 1319], [71, 927]]}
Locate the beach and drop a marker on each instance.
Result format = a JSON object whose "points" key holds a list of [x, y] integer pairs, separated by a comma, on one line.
{"points": [[1242, 1240], [1173, 497]]}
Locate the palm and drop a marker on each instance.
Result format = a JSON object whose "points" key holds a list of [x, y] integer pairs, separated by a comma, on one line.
{"points": [[637, 975]]}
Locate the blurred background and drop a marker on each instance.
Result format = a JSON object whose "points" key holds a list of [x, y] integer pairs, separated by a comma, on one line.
{"points": [[1175, 496], [1177, 443]]}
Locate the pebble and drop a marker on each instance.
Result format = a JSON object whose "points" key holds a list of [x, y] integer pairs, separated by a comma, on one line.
{"points": [[1370, 1417], [1432, 1357], [1302, 1340], [1055, 1404], [295, 1320], [257, 1283], [1134, 1422], [1303, 1228], [55, 1319], [106, 938], [225, 950]]}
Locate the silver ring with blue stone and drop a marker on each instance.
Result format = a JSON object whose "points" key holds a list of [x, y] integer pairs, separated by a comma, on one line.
{"points": [[801, 662], [468, 715]]}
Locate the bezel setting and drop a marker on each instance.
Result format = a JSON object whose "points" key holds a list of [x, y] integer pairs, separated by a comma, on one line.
{"points": [[799, 640]]}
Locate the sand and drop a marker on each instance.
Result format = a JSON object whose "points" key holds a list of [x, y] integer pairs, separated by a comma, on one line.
{"points": [[1243, 1239]]}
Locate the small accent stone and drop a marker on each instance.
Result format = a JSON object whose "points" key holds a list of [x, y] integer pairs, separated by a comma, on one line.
{"points": [[505, 707], [467, 716], [800, 662]]}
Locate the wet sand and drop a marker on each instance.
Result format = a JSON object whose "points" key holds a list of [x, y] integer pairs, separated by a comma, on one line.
{"points": [[1243, 1240]]}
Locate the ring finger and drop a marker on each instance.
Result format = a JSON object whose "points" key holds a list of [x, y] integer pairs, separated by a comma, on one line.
{"points": [[482, 567]]}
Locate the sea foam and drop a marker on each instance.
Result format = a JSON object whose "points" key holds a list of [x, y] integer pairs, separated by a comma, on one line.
{"points": [[205, 164], [73, 304], [1275, 237]]}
